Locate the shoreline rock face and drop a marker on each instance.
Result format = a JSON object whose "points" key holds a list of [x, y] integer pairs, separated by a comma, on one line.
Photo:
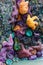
{"points": [[21, 30]]}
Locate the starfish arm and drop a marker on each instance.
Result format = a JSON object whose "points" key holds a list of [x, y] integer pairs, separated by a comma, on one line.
{"points": [[35, 17]]}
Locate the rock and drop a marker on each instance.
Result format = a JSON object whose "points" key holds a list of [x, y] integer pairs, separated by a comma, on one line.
{"points": [[32, 57]]}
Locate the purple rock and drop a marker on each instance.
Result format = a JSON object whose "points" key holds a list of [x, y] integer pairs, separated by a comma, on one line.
{"points": [[11, 51], [32, 57], [3, 55], [39, 54], [2, 59], [10, 54], [42, 53]]}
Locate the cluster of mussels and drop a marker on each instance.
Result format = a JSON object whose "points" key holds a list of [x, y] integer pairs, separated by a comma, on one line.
{"points": [[23, 21]]}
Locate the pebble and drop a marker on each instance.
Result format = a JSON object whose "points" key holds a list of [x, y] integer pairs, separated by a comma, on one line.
{"points": [[33, 57], [10, 54], [39, 54], [16, 59], [42, 53], [9, 62]]}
